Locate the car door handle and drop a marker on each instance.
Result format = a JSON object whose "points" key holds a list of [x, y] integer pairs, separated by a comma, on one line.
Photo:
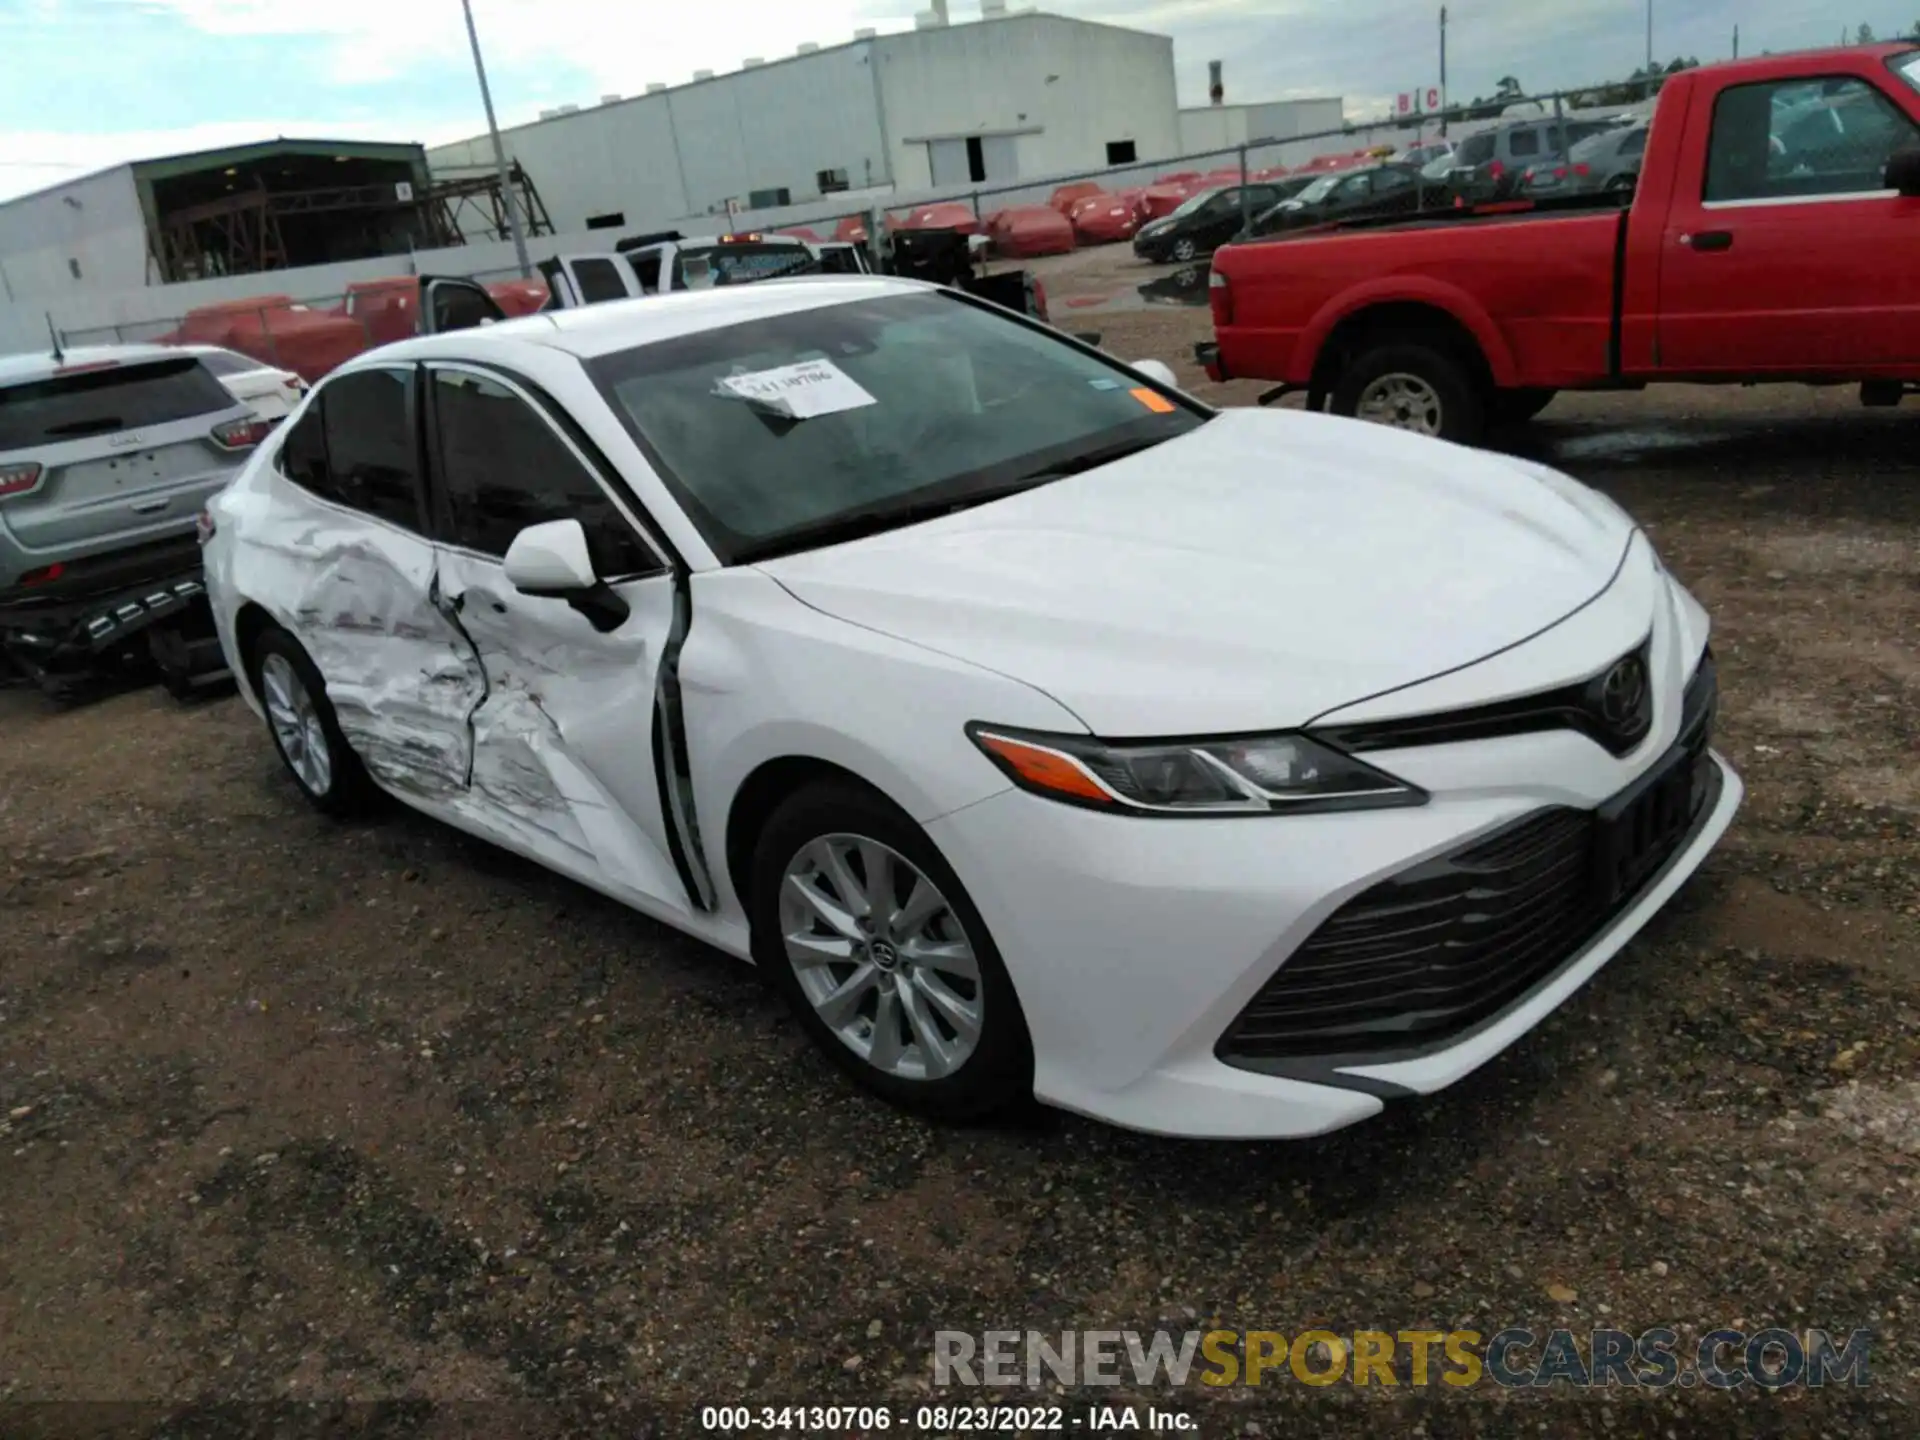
{"points": [[148, 507], [1709, 240]]}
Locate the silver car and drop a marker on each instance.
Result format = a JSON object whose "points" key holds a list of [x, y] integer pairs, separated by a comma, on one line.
{"points": [[107, 456]]}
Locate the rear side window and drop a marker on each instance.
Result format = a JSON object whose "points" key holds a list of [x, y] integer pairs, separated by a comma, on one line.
{"points": [[502, 468], [459, 306], [646, 266], [1635, 143], [598, 280], [105, 402], [1523, 143], [356, 446], [1798, 138]]}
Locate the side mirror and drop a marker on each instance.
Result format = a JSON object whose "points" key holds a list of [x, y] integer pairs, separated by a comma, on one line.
{"points": [[1903, 173], [549, 561], [1157, 371]]}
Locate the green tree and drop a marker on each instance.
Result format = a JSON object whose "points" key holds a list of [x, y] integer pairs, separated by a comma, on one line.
{"points": [[1864, 35], [1507, 86]]}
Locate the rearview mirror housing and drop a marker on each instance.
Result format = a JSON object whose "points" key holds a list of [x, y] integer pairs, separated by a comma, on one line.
{"points": [[550, 560], [1903, 173], [1157, 371]]}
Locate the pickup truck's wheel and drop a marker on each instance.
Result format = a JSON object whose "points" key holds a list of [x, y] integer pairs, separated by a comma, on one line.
{"points": [[1411, 386], [1516, 407], [859, 921], [304, 728]]}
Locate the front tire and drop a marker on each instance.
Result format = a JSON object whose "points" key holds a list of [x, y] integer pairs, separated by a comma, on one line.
{"points": [[861, 924], [1184, 250], [1411, 385], [305, 730]]}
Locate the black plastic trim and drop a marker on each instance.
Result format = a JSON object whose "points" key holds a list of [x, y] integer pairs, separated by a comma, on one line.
{"points": [[1328, 1069], [1570, 707], [672, 767]]}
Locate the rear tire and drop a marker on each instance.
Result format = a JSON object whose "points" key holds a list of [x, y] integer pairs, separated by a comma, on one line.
{"points": [[910, 998], [1413, 385], [1517, 407], [1184, 250], [305, 730]]}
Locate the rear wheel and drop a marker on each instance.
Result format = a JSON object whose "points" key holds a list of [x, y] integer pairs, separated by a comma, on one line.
{"points": [[304, 728], [860, 923], [1184, 249], [1412, 385]]}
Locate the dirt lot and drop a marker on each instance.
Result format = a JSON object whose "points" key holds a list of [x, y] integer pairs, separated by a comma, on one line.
{"points": [[292, 1112]]}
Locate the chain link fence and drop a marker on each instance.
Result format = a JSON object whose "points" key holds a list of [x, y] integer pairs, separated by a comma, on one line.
{"points": [[1515, 147]]}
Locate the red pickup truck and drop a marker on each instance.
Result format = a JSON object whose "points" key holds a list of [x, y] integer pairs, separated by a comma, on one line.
{"points": [[1773, 235]]}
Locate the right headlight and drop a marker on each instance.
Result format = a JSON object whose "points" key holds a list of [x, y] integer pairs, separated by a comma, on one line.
{"points": [[1244, 775]]}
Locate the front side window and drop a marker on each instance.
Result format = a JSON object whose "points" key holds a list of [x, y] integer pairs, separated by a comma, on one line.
{"points": [[1477, 149], [1388, 180], [912, 400], [502, 468], [1524, 143], [461, 307], [1798, 138]]}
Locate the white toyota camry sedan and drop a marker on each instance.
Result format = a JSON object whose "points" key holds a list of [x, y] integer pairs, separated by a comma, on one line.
{"points": [[1035, 729]]}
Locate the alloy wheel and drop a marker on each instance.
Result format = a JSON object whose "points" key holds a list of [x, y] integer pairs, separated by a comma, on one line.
{"points": [[296, 724], [1402, 401], [881, 956]]}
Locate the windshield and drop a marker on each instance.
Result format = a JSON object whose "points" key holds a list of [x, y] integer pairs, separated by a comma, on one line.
{"points": [[1193, 203], [1320, 189], [1907, 67], [741, 264], [909, 400]]}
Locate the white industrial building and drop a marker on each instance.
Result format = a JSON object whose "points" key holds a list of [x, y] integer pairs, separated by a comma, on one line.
{"points": [[993, 101], [1221, 127]]}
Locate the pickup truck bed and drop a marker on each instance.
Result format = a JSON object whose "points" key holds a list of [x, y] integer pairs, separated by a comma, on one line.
{"points": [[1774, 235]]}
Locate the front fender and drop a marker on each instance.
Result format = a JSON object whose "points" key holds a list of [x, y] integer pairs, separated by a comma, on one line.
{"points": [[1451, 300]]}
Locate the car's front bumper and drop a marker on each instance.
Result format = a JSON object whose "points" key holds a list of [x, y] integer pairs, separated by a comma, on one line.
{"points": [[1135, 944]]}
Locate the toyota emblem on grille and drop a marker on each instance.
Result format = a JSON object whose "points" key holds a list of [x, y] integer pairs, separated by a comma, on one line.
{"points": [[1623, 697]]}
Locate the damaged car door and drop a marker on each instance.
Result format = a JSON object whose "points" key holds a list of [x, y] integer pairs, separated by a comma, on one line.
{"points": [[355, 582], [565, 752]]}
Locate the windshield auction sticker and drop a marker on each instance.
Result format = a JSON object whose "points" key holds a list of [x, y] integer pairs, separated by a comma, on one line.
{"points": [[799, 392]]}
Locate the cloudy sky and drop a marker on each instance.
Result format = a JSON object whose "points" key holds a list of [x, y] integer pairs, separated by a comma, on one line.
{"points": [[89, 83]]}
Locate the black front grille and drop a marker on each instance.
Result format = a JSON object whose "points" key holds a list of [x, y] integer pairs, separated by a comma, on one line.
{"points": [[1421, 958], [1581, 706]]}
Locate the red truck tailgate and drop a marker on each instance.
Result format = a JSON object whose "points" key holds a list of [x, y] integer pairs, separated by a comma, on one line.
{"points": [[1536, 290]]}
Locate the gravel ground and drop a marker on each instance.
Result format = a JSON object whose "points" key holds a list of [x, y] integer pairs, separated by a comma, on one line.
{"points": [[293, 1112]]}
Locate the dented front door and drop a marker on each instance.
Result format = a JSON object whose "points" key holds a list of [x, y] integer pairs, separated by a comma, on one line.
{"points": [[563, 732], [563, 737]]}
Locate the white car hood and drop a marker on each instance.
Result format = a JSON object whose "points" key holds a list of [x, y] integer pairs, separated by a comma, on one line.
{"points": [[1257, 573]]}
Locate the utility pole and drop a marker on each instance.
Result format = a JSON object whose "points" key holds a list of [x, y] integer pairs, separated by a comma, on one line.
{"points": [[1649, 37], [1736, 42], [1443, 72], [499, 153]]}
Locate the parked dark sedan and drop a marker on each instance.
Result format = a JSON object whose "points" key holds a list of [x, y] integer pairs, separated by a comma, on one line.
{"points": [[1390, 189], [1203, 224]]}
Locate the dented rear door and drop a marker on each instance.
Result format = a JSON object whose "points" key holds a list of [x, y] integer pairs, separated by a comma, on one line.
{"points": [[349, 568]]}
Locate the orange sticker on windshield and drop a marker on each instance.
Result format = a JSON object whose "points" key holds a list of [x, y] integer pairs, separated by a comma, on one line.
{"points": [[1153, 400]]}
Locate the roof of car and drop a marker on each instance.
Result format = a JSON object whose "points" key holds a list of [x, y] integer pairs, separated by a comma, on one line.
{"points": [[44, 365], [593, 330]]}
